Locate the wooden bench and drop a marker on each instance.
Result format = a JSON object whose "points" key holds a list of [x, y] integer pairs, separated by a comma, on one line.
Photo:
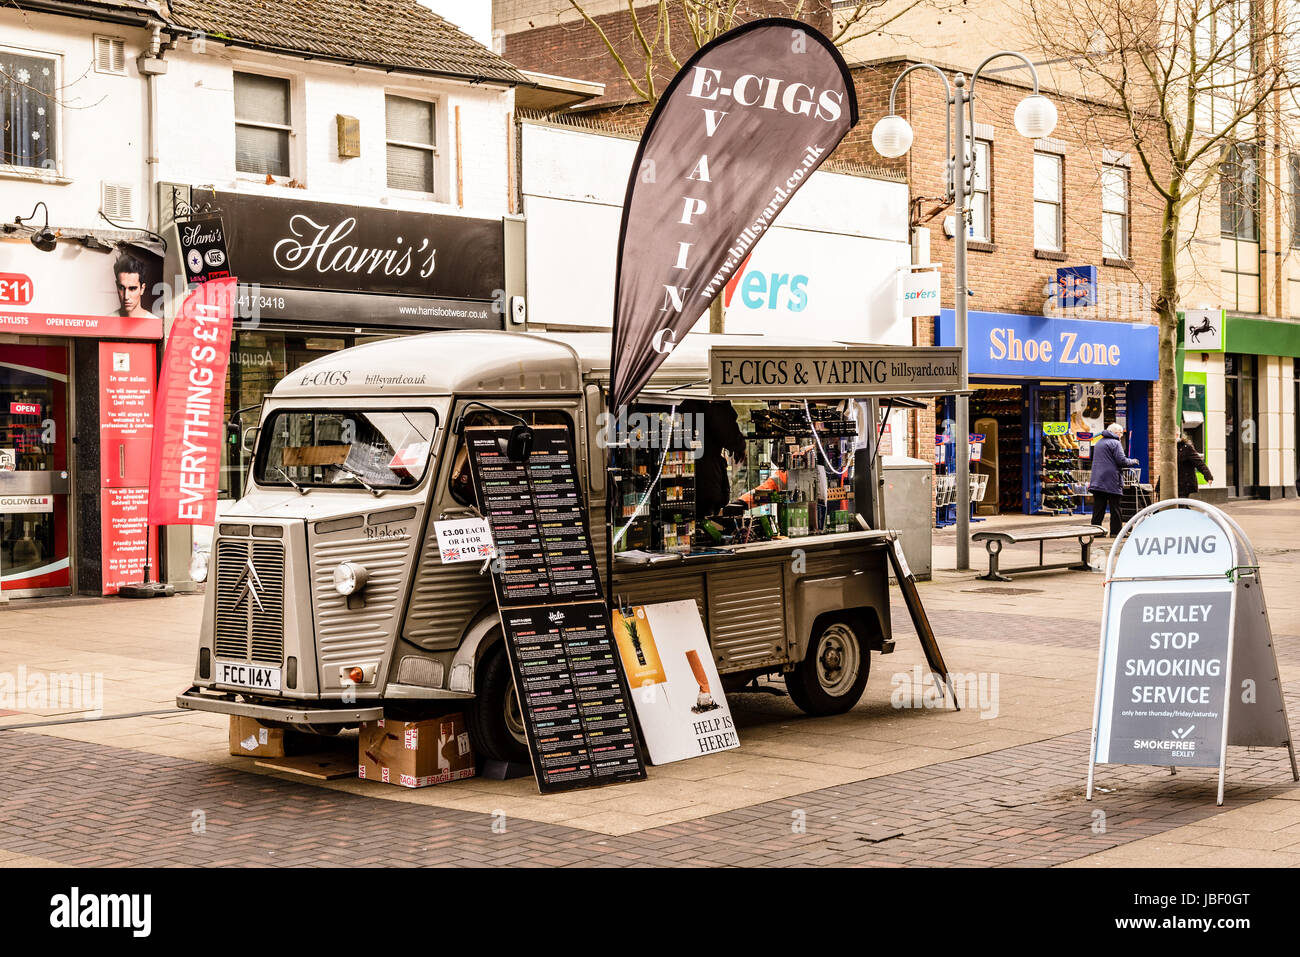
{"points": [[994, 540]]}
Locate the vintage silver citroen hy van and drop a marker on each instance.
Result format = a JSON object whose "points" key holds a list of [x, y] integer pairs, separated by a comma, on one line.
{"points": [[326, 597]]}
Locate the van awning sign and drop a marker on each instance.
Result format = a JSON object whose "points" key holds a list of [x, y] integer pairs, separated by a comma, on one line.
{"points": [[833, 371]]}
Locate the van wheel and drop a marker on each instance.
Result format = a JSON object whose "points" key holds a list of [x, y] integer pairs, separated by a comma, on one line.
{"points": [[496, 725], [833, 674]]}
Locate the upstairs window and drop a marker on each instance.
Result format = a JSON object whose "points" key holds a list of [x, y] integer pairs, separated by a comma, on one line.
{"points": [[262, 124], [1049, 202], [27, 131], [1114, 212], [412, 144], [981, 206], [1294, 163], [1239, 192]]}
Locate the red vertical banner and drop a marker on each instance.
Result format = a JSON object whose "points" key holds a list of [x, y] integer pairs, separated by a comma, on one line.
{"points": [[126, 421], [189, 413]]}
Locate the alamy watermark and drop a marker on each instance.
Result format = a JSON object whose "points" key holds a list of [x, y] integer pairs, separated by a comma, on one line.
{"points": [[918, 688], [1129, 301], [26, 690], [680, 431]]}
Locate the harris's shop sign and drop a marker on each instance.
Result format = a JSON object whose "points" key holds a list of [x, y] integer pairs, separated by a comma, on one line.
{"points": [[1030, 347], [293, 244], [738, 131]]}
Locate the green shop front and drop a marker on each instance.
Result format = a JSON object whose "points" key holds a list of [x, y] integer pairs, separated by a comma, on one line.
{"points": [[1239, 394]]}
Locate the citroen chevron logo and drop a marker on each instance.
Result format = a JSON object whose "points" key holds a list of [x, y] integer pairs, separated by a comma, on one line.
{"points": [[249, 584]]}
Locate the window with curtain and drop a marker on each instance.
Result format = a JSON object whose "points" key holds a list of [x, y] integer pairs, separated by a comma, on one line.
{"points": [[1049, 201], [27, 89], [412, 144], [1114, 212], [262, 124], [981, 221], [1239, 192]]}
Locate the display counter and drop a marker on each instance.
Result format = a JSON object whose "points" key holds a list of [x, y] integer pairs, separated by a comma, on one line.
{"points": [[627, 561]]}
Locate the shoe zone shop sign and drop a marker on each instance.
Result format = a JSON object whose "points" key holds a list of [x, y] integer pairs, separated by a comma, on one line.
{"points": [[1041, 347], [1187, 665]]}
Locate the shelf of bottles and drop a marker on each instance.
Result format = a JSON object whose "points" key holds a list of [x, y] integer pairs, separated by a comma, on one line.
{"points": [[786, 441], [661, 513]]}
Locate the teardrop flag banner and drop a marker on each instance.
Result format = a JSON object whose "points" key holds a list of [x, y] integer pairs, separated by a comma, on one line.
{"points": [[738, 130], [189, 412]]}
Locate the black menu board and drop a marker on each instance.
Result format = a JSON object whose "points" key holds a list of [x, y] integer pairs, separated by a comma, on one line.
{"points": [[535, 512], [574, 701], [572, 690]]}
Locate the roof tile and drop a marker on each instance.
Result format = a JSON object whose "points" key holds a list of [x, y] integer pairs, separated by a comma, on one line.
{"points": [[398, 34]]}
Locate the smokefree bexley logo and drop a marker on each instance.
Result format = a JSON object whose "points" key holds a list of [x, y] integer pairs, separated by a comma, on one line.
{"points": [[76, 910]]}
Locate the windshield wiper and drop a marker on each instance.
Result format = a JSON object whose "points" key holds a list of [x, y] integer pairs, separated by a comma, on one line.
{"points": [[344, 467], [301, 490]]}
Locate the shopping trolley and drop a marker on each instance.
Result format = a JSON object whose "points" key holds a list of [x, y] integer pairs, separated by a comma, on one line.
{"points": [[1137, 494]]}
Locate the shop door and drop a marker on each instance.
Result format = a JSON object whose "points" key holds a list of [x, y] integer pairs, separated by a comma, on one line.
{"points": [[34, 471], [1051, 462]]}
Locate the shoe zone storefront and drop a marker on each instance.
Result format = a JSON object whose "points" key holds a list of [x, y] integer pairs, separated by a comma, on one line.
{"points": [[1043, 389]]}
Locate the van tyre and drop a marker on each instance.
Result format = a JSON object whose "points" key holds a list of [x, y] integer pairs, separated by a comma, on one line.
{"points": [[495, 722], [833, 674]]}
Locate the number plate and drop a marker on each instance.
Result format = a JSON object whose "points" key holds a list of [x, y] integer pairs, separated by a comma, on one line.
{"points": [[248, 676]]}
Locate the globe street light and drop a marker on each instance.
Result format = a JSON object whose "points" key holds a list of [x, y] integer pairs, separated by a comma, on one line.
{"points": [[1035, 117]]}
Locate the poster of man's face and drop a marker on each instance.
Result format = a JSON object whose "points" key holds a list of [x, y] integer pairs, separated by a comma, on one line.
{"points": [[135, 273]]}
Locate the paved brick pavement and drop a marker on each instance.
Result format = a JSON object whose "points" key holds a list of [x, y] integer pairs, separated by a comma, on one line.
{"points": [[877, 786], [74, 803]]}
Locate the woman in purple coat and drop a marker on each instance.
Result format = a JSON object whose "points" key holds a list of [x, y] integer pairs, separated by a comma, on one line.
{"points": [[1107, 483]]}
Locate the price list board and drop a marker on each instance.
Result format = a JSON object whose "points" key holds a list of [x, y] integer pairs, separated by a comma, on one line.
{"points": [[573, 698], [572, 690], [535, 511]]}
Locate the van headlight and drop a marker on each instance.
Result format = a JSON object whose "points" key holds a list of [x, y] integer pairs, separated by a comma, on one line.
{"points": [[349, 577], [199, 566]]}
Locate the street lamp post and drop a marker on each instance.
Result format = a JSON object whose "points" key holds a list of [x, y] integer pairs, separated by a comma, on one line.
{"points": [[1035, 117]]}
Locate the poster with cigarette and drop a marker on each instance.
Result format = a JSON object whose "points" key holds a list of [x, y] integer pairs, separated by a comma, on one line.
{"points": [[675, 685]]}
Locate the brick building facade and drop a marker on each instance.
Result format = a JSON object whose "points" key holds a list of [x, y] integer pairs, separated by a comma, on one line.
{"points": [[1010, 273]]}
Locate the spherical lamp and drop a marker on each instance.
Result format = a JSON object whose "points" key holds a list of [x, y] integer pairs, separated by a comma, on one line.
{"points": [[1035, 117], [892, 136]]}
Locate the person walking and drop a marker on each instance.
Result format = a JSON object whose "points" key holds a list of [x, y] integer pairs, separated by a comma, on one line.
{"points": [[1106, 482], [1189, 463]]}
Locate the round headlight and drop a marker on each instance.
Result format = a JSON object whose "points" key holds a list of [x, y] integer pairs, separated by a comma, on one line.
{"points": [[199, 566], [349, 577]]}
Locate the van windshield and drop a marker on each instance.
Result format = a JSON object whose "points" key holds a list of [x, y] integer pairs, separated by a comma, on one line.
{"points": [[340, 449]]}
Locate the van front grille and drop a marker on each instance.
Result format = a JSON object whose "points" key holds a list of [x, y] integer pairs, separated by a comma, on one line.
{"points": [[250, 600]]}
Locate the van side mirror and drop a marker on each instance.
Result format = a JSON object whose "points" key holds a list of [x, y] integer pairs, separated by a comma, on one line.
{"points": [[248, 441], [519, 445]]}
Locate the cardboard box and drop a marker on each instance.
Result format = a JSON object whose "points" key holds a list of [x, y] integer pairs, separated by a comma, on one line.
{"points": [[252, 739], [415, 754]]}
